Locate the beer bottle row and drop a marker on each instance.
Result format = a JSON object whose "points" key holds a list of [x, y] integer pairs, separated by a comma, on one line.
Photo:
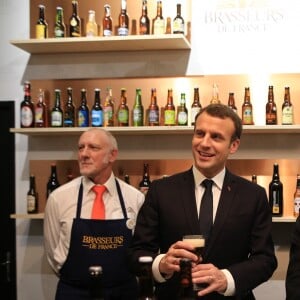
{"points": [[159, 24]]}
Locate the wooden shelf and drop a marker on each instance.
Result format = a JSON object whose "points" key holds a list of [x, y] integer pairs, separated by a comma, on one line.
{"points": [[103, 44]]}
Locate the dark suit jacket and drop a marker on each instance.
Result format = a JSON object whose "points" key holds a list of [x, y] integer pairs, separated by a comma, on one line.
{"points": [[240, 241], [293, 272]]}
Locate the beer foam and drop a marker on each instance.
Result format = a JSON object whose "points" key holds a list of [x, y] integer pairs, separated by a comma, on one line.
{"points": [[195, 242]]}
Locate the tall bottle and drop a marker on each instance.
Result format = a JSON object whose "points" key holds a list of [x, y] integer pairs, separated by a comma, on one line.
{"points": [[247, 109], [138, 109], [96, 111], [276, 193], [41, 27], [123, 28], [297, 197], [41, 111], [108, 109], [59, 27], [287, 108], [69, 111], [271, 109], [215, 95], [145, 278], [182, 112], [32, 197], [107, 22], [91, 28], [27, 107], [123, 110], [75, 22], [178, 22], [53, 182], [159, 21], [169, 111], [153, 110], [231, 102], [56, 112], [83, 118], [145, 182], [196, 106], [144, 19]]}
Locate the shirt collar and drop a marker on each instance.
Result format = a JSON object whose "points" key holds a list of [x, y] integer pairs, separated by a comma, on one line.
{"points": [[218, 179], [109, 184]]}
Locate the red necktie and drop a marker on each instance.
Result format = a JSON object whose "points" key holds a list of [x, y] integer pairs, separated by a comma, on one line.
{"points": [[98, 211]]}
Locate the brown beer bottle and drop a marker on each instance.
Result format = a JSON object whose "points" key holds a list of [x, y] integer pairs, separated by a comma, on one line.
{"points": [[107, 21], [196, 105], [276, 193], [271, 109], [75, 22], [32, 197], [123, 28], [231, 102], [27, 107], [247, 109], [254, 178], [145, 182], [144, 19], [123, 110], [169, 112], [69, 111], [41, 111], [41, 27], [297, 197], [153, 110], [287, 108]]}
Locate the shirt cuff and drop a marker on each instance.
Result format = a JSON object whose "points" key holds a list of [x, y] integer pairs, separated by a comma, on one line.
{"points": [[155, 269], [230, 291]]}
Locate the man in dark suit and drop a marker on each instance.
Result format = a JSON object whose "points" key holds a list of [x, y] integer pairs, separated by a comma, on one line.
{"points": [[292, 282], [239, 251]]}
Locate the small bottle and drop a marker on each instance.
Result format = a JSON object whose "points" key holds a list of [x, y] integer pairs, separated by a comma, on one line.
{"points": [[27, 107], [123, 110], [276, 193], [56, 112], [138, 109], [75, 22], [108, 109], [247, 109], [59, 27], [287, 108], [159, 22], [107, 22], [215, 95], [182, 112], [271, 109], [32, 197], [96, 285], [123, 28], [145, 278], [96, 111], [168, 26], [127, 178], [40, 111], [196, 106], [144, 20], [231, 102], [145, 182], [169, 111], [153, 110], [41, 27], [53, 182], [91, 28], [178, 22], [83, 119], [297, 197], [69, 111], [254, 178]]}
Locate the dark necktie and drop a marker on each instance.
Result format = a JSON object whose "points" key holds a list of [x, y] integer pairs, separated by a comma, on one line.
{"points": [[206, 209]]}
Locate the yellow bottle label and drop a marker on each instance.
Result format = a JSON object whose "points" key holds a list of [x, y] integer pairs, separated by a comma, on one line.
{"points": [[40, 31]]}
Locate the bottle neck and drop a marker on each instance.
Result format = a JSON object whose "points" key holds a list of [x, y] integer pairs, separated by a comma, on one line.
{"points": [[57, 99], [42, 13], [97, 97], [75, 8], [107, 11], [83, 97], [178, 10]]}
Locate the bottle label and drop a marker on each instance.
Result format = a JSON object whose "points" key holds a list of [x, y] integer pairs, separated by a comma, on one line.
{"points": [[56, 119], [194, 112], [26, 116], [159, 26], [123, 116], [123, 31], [39, 116], [40, 30], [169, 117], [287, 115], [108, 118], [31, 203], [97, 119], [59, 33], [178, 26], [296, 206], [153, 116], [247, 116], [83, 118], [182, 118], [137, 116], [107, 32]]}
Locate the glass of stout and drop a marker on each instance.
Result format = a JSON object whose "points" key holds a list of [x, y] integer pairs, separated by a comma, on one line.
{"points": [[198, 241]]}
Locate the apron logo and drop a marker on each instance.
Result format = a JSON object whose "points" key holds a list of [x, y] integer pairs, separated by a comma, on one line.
{"points": [[103, 243]]}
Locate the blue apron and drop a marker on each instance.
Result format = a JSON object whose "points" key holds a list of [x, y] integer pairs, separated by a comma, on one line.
{"points": [[97, 242]]}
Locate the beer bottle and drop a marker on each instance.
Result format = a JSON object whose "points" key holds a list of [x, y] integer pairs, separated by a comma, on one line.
{"points": [[32, 197], [53, 182], [144, 19], [158, 22], [108, 109], [96, 111], [169, 111], [182, 112], [178, 22], [145, 278], [83, 111], [168, 26], [56, 112], [41, 27], [287, 108], [271, 109], [231, 102], [127, 178], [123, 110], [123, 28], [196, 105], [40, 111], [69, 111], [91, 25], [247, 110], [59, 27], [153, 110], [107, 21], [75, 22], [145, 182], [297, 197], [27, 107], [215, 95], [138, 110], [276, 193], [254, 178]]}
